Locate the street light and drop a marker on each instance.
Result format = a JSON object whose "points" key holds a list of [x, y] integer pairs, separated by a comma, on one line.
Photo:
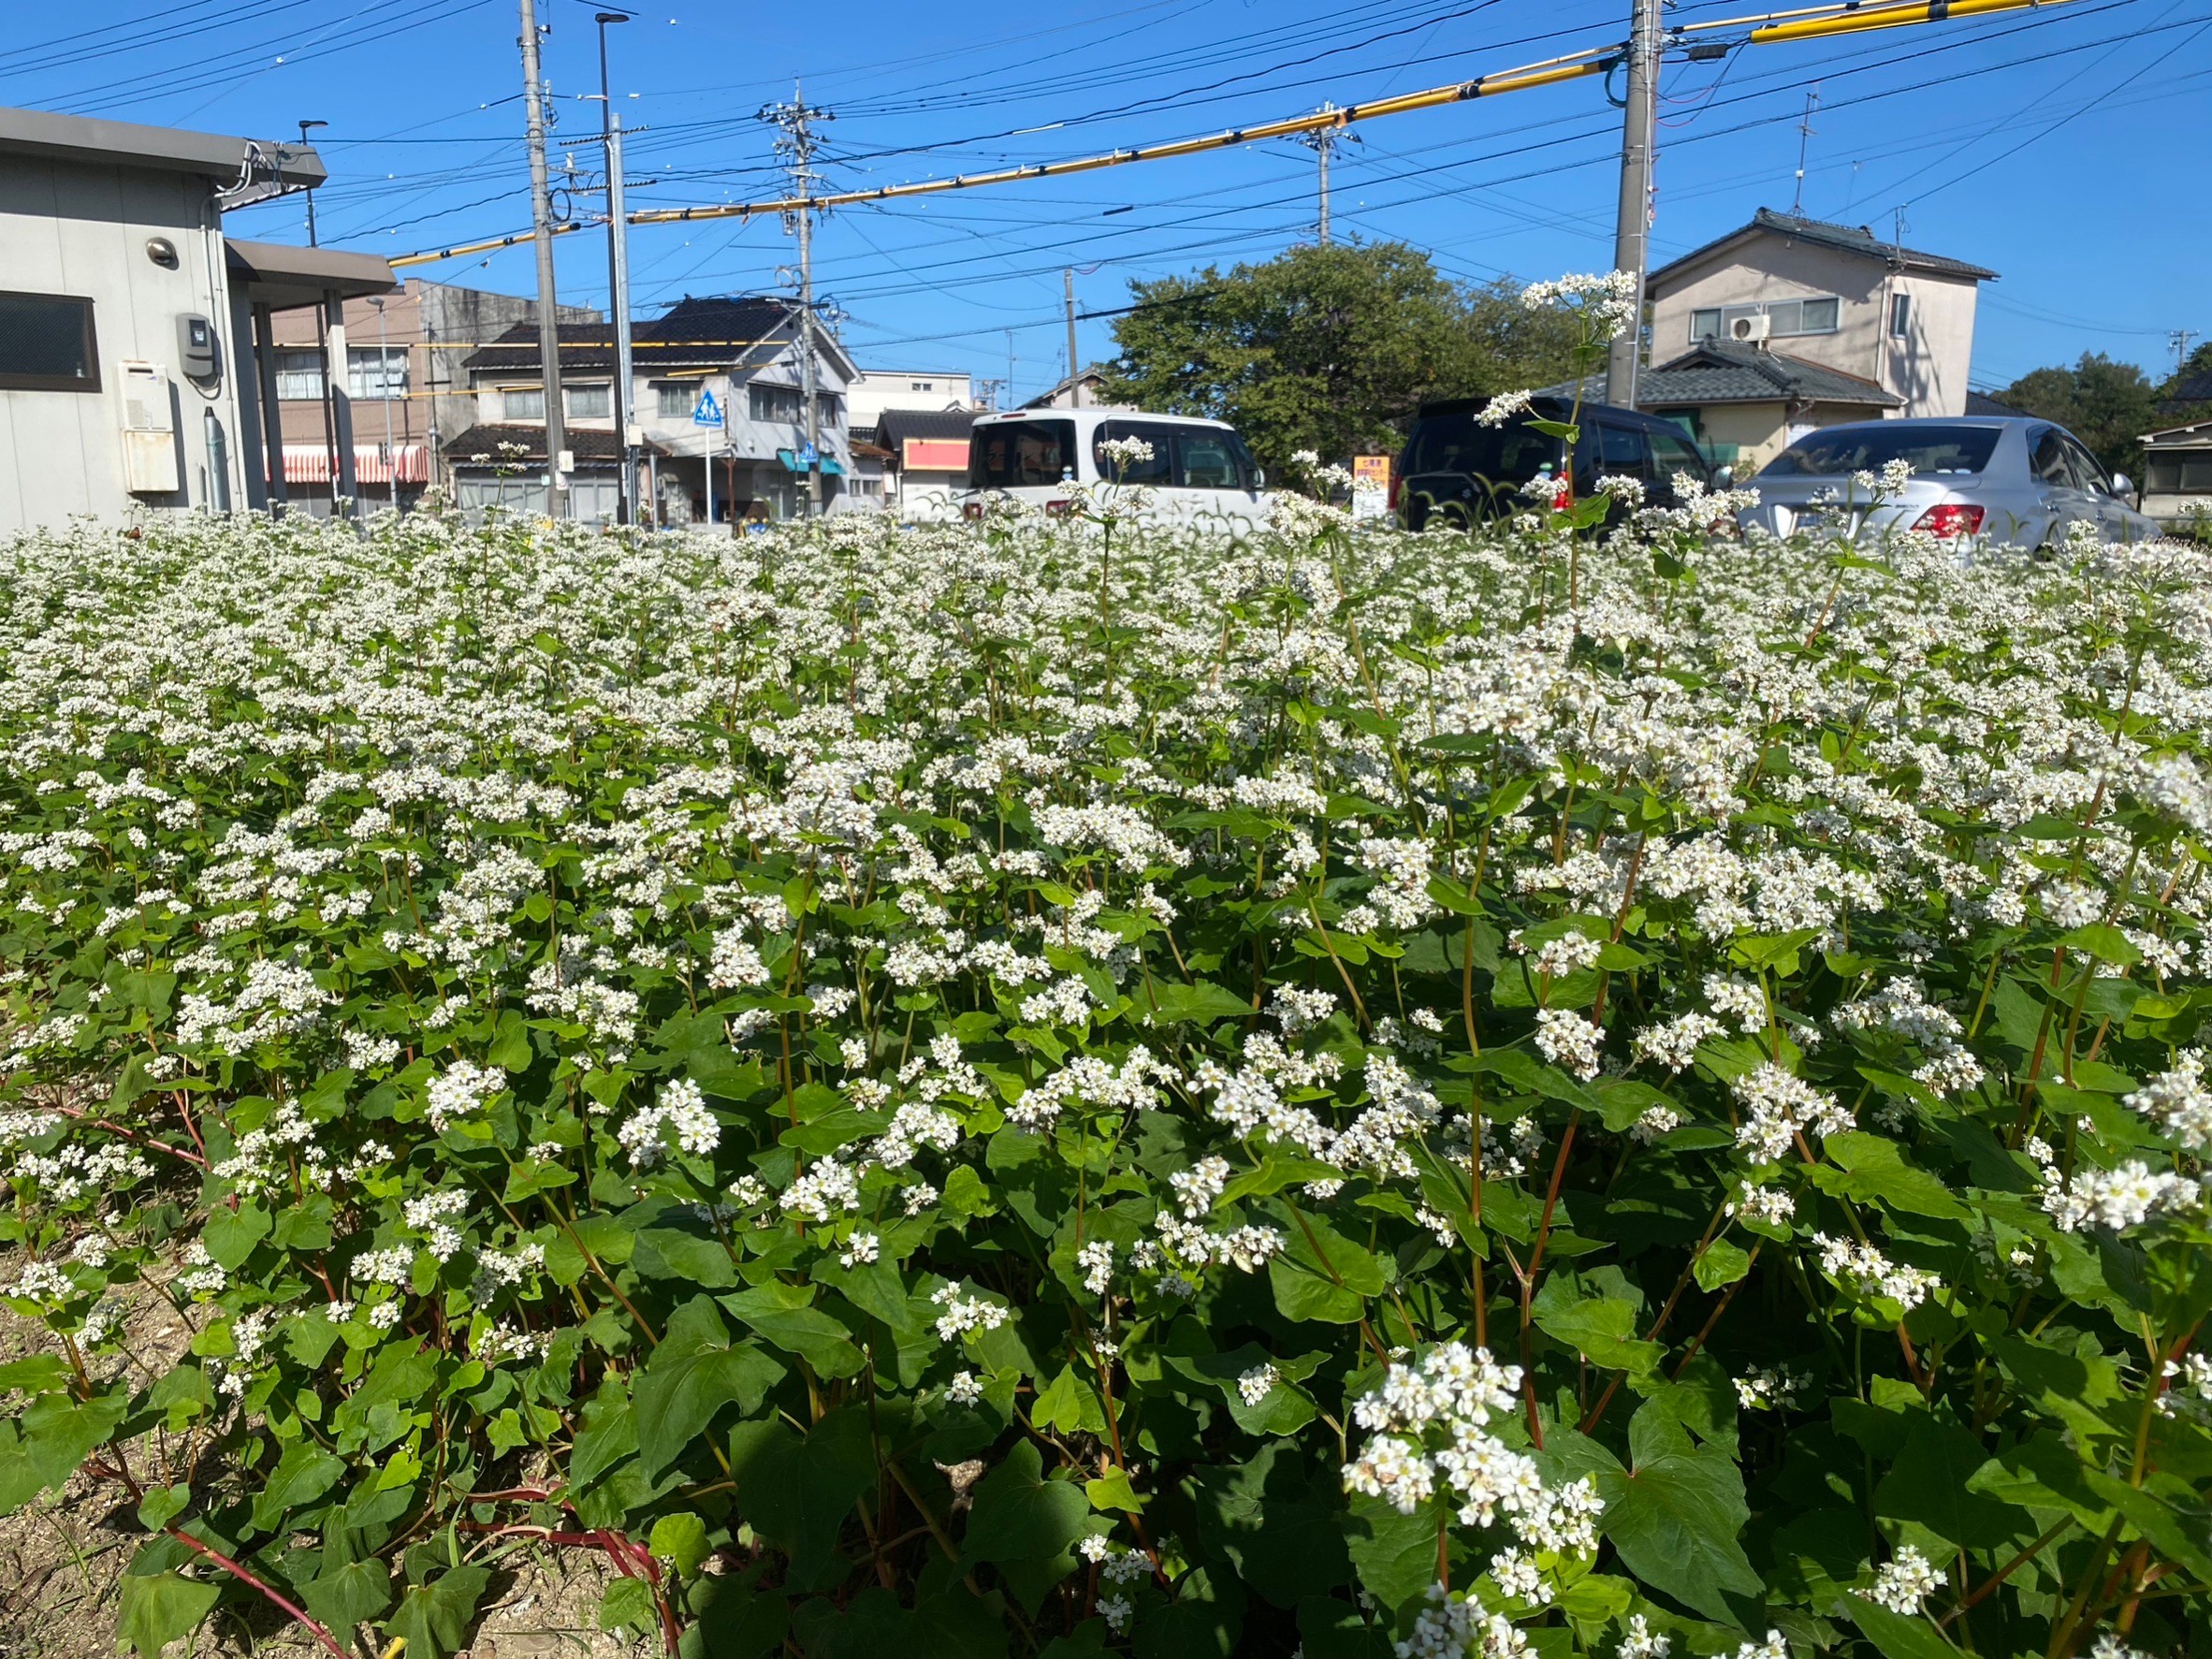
{"points": [[618, 290], [384, 384], [305, 127]]}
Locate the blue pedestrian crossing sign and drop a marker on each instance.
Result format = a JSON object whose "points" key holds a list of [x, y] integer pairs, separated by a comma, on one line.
{"points": [[808, 455], [708, 412]]}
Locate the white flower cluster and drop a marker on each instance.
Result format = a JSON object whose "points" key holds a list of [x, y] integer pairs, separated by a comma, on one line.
{"points": [[1570, 1041], [1864, 1269], [2126, 1196], [681, 1112], [964, 1314], [1255, 1385], [2179, 1102], [1905, 1582], [461, 1090], [1779, 1106]]}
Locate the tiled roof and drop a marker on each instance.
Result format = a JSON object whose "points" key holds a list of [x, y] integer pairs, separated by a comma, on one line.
{"points": [[894, 426], [1982, 403], [692, 332], [587, 443], [1847, 239], [1723, 371]]}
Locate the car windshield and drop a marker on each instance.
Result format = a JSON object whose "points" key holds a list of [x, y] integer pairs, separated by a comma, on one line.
{"points": [[1928, 450], [1004, 454], [1511, 454]]}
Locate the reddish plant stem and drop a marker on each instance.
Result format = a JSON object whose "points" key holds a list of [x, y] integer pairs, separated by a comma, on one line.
{"points": [[297, 1614]]}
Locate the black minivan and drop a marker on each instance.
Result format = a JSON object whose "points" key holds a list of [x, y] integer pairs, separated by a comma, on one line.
{"points": [[1457, 470]]}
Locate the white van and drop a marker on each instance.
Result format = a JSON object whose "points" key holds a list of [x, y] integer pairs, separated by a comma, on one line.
{"points": [[1200, 473]]}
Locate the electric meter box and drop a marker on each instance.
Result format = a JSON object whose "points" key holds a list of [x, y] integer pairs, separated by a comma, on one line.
{"points": [[196, 347]]}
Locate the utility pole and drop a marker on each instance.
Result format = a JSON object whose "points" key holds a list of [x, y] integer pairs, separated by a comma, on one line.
{"points": [[1804, 139], [1323, 143], [617, 281], [1632, 233], [1074, 371], [2179, 340], [540, 215], [796, 141]]}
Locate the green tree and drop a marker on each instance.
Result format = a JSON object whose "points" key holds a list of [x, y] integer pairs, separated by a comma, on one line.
{"points": [[2108, 405], [1327, 348]]}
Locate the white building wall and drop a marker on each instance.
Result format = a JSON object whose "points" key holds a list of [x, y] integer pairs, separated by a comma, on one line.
{"points": [[875, 390], [72, 229]]}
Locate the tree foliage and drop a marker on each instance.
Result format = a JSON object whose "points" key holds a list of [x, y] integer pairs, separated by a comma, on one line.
{"points": [[1329, 349]]}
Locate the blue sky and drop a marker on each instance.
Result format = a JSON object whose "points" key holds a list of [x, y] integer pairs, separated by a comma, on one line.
{"points": [[2061, 148]]}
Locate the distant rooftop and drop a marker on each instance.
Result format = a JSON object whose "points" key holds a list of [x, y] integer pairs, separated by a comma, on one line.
{"points": [[1847, 239]]}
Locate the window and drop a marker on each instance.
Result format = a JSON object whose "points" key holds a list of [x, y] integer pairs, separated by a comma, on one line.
{"points": [[1622, 453], [1928, 449], [1185, 457], [1009, 453], [2174, 475], [825, 411], [2050, 464], [300, 375], [773, 402], [587, 403], [46, 344], [1901, 316], [1783, 316], [922, 385], [1206, 460], [677, 399], [1158, 471], [1497, 457], [375, 371], [2089, 472], [1673, 458]]}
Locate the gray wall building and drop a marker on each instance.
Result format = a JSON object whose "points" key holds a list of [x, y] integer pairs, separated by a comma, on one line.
{"points": [[120, 348]]}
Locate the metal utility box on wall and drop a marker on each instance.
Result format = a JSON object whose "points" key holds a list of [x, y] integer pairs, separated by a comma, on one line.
{"points": [[149, 430], [196, 348]]}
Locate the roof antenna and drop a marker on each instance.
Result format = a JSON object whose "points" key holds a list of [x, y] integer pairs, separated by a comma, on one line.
{"points": [[1805, 130]]}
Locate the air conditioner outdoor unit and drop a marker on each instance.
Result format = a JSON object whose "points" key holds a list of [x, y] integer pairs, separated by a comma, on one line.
{"points": [[1749, 330]]}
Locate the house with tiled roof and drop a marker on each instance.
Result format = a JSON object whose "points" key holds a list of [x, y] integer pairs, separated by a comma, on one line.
{"points": [[739, 355], [1787, 323]]}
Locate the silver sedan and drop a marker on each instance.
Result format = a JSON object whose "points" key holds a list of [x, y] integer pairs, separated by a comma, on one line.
{"points": [[1981, 481]]}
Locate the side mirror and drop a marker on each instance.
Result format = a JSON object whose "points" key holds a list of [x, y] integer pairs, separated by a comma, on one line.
{"points": [[1258, 477], [1724, 478], [2122, 485]]}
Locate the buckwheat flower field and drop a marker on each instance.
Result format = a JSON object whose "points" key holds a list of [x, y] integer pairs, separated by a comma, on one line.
{"points": [[1055, 1087]]}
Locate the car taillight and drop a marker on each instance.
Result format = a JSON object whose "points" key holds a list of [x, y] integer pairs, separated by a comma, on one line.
{"points": [[973, 509], [1059, 507], [1397, 483], [1951, 518]]}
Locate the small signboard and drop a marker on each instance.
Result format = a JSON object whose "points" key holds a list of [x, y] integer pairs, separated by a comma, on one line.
{"points": [[808, 455], [1371, 485], [708, 412]]}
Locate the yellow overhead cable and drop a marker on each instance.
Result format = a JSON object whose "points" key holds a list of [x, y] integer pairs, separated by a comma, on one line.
{"points": [[433, 255], [1548, 73], [1846, 17]]}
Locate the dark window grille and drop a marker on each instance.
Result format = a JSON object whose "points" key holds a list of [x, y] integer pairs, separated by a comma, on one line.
{"points": [[46, 343]]}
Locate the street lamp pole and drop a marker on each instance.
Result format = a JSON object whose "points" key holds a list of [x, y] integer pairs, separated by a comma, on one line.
{"points": [[383, 385], [305, 127], [617, 277]]}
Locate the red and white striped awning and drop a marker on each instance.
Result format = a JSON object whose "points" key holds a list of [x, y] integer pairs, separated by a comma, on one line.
{"points": [[310, 463]]}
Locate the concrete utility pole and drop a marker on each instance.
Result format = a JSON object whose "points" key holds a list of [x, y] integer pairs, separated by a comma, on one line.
{"points": [[541, 217], [1632, 232], [2179, 339], [796, 141], [1074, 369], [617, 280], [1323, 143]]}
